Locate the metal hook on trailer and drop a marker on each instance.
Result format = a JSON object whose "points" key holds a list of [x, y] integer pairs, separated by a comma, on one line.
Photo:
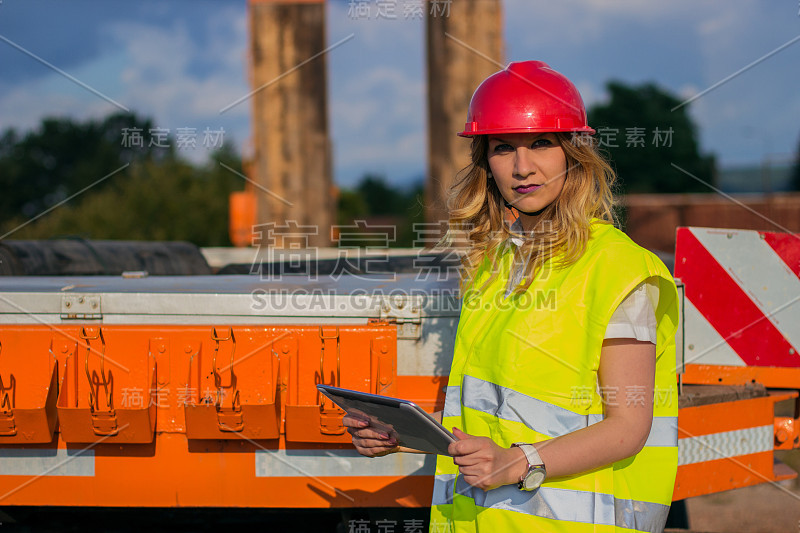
{"points": [[217, 376], [93, 400], [329, 414], [324, 337], [8, 426], [189, 375], [5, 398]]}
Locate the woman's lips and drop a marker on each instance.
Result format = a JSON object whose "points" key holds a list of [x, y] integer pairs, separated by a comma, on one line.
{"points": [[526, 188]]}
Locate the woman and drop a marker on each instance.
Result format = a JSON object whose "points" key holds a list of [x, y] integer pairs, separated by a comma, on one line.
{"points": [[562, 389]]}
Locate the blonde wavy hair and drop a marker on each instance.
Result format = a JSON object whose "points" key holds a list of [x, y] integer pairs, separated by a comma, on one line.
{"points": [[477, 211]]}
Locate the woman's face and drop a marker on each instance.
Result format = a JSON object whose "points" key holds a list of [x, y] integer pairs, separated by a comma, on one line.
{"points": [[529, 169]]}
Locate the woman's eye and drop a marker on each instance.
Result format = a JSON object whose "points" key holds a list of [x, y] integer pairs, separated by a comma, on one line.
{"points": [[541, 142], [503, 147]]}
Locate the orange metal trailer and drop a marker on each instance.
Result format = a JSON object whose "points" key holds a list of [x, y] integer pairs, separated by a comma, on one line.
{"points": [[199, 391]]}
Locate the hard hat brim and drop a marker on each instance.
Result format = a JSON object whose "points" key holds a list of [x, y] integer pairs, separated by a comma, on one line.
{"points": [[494, 131]]}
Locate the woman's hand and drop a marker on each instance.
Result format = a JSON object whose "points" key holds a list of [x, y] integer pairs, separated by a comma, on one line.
{"points": [[484, 464], [368, 440]]}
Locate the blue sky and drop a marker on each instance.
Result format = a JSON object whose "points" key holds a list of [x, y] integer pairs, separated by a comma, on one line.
{"points": [[180, 62]]}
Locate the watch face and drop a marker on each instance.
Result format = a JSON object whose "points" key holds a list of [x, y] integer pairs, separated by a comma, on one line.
{"points": [[535, 479]]}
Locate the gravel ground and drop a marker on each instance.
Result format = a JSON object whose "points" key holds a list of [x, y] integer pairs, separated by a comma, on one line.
{"points": [[762, 508]]}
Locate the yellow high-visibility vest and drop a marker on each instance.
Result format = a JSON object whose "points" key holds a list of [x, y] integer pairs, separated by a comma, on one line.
{"points": [[525, 370]]}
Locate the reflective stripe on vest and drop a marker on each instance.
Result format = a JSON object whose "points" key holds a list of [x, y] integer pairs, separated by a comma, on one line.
{"points": [[452, 401], [558, 504], [546, 418], [443, 485]]}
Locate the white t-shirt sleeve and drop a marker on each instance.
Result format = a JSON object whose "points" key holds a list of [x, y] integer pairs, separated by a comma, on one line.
{"points": [[635, 318]]}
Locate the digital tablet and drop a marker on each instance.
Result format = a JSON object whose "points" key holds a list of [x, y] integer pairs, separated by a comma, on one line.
{"points": [[407, 422]]}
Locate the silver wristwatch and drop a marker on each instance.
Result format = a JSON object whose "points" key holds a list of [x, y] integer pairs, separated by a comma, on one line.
{"points": [[534, 476]]}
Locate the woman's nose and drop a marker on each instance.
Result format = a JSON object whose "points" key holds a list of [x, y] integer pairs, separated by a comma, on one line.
{"points": [[524, 163]]}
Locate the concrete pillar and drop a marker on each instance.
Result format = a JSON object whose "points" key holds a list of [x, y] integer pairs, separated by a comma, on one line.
{"points": [[465, 45], [290, 119]]}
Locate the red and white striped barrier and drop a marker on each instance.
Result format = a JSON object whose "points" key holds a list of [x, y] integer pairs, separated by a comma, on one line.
{"points": [[742, 297]]}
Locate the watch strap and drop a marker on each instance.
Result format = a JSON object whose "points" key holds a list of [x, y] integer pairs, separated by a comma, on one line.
{"points": [[535, 467], [530, 453]]}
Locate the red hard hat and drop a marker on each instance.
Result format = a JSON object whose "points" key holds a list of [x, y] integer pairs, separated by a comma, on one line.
{"points": [[527, 96]]}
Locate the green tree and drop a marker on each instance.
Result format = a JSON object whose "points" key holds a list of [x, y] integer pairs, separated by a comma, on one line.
{"points": [[45, 166], [157, 197], [374, 197], [380, 197], [414, 210], [352, 206], [156, 200], [645, 133]]}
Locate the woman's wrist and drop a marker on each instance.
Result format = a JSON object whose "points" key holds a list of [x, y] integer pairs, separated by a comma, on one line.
{"points": [[517, 465]]}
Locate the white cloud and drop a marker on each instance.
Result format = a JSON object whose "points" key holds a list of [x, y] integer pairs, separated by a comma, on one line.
{"points": [[591, 93], [378, 122], [394, 94], [377, 94], [164, 72], [375, 29], [182, 76], [157, 74], [684, 46], [183, 82], [688, 90], [23, 107], [570, 23]]}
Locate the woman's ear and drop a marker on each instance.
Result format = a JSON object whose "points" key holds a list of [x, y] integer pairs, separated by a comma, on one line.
{"points": [[489, 175]]}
